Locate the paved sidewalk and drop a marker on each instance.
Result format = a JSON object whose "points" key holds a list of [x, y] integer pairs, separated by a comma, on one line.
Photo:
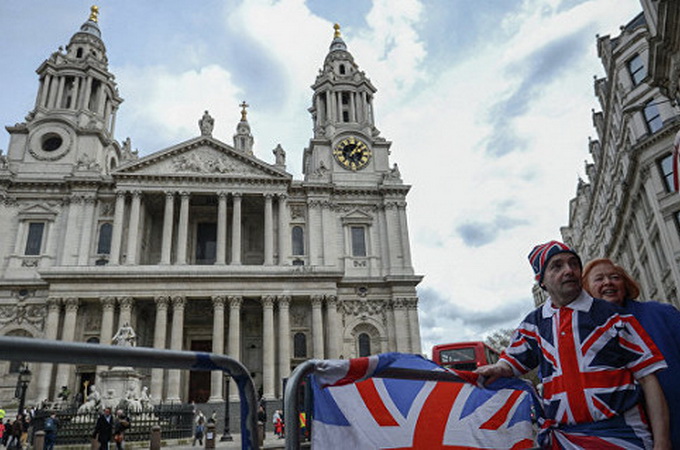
{"points": [[270, 442]]}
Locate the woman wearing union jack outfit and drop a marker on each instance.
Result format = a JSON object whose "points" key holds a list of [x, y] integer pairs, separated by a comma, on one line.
{"points": [[594, 363], [608, 281]]}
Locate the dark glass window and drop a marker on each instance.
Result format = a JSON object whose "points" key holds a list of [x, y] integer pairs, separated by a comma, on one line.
{"points": [[300, 345], [637, 69], [653, 118], [358, 241], [35, 237], [666, 169], [206, 243], [364, 345], [298, 241], [104, 245]]}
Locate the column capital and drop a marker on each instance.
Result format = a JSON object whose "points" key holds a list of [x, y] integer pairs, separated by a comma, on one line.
{"points": [[170, 194], [283, 300], [178, 301], [282, 196], [399, 303], [72, 303], [222, 194], [268, 301], [218, 301], [236, 194], [108, 302], [268, 195], [184, 194], [235, 301], [317, 301], [121, 194], [137, 193], [161, 301], [53, 303], [126, 302], [332, 300]]}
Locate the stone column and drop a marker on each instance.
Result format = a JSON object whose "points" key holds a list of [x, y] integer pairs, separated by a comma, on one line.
{"points": [[405, 243], [414, 326], [73, 230], [284, 339], [401, 325], [159, 336], [216, 376], [183, 229], [86, 231], [117, 232], [60, 92], [176, 338], [126, 304], [106, 332], [51, 330], [236, 231], [67, 335], [133, 230], [333, 323], [88, 93], [221, 257], [317, 327], [284, 231], [314, 232], [76, 94], [392, 223], [168, 219], [44, 89], [268, 365], [235, 302], [268, 230]]}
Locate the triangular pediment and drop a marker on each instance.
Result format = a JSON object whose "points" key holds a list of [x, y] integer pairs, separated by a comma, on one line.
{"points": [[357, 216], [203, 156], [37, 210]]}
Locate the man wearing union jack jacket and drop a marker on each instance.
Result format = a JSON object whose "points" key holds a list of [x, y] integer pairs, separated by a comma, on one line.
{"points": [[594, 362]]}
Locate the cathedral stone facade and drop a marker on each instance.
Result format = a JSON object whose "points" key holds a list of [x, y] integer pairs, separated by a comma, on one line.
{"points": [[202, 245]]}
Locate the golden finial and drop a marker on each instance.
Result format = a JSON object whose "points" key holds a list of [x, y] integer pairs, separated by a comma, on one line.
{"points": [[244, 113], [337, 30], [94, 12]]}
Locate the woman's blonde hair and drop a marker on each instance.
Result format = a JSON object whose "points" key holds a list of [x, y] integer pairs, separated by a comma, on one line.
{"points": [[632, 287]]}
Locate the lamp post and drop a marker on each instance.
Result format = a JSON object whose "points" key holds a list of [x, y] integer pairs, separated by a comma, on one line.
{"points": [[22, 384], [226, 436]]}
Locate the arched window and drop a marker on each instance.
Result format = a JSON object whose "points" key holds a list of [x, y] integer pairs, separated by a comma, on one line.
{"points": [[342, 69], [300, 345], [298, 241], [364, 345], [79, 52], [104, 246]]}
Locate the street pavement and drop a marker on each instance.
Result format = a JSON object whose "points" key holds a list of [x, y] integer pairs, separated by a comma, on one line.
{"points": [[270, 442]]}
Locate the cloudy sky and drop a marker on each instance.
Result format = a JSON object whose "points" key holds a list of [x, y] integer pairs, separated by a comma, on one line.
{"points": [[487, 102]]}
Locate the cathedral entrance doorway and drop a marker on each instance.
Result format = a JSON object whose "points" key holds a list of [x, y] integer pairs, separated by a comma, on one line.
{"points": [[199, 382]]}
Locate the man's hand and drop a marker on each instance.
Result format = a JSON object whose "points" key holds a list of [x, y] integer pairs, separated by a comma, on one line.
{"points": [[492, 372]]}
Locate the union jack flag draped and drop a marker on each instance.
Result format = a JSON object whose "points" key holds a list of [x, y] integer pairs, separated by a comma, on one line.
{"points": [[357, 406], [589, 357]]}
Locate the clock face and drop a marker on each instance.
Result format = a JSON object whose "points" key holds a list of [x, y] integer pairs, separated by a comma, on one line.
{"points": [[352, 153]]}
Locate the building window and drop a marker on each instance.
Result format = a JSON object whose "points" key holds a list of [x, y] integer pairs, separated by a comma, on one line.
{"points": [[298, 235], [637, 69], [364, 345], [35, 238], [652, 117], [299, 345], [666, 168], [104, 244], [358, 236]]}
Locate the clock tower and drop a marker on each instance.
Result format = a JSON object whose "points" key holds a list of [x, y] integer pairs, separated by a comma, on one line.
{"points": [[346, 147]]}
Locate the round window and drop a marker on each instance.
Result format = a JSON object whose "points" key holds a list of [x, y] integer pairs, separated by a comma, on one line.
{"points": [[51, 142]]}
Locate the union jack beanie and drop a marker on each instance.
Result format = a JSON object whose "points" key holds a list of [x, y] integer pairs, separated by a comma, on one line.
{"points": [[540, 255]]}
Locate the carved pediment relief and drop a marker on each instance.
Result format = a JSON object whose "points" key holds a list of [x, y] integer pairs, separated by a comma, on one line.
{"points": [[205, 156], [357, 216], [37, 211]]}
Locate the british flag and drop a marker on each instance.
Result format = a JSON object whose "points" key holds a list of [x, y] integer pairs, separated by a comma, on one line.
{"points": [[589, 357], [358, 405]]}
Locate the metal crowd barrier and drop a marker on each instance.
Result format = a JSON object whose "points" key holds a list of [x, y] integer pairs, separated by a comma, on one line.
{"points": [[42, 350]]}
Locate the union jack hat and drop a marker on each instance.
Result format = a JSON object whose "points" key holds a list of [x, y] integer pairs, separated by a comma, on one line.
{"points": [[540, 255]]}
